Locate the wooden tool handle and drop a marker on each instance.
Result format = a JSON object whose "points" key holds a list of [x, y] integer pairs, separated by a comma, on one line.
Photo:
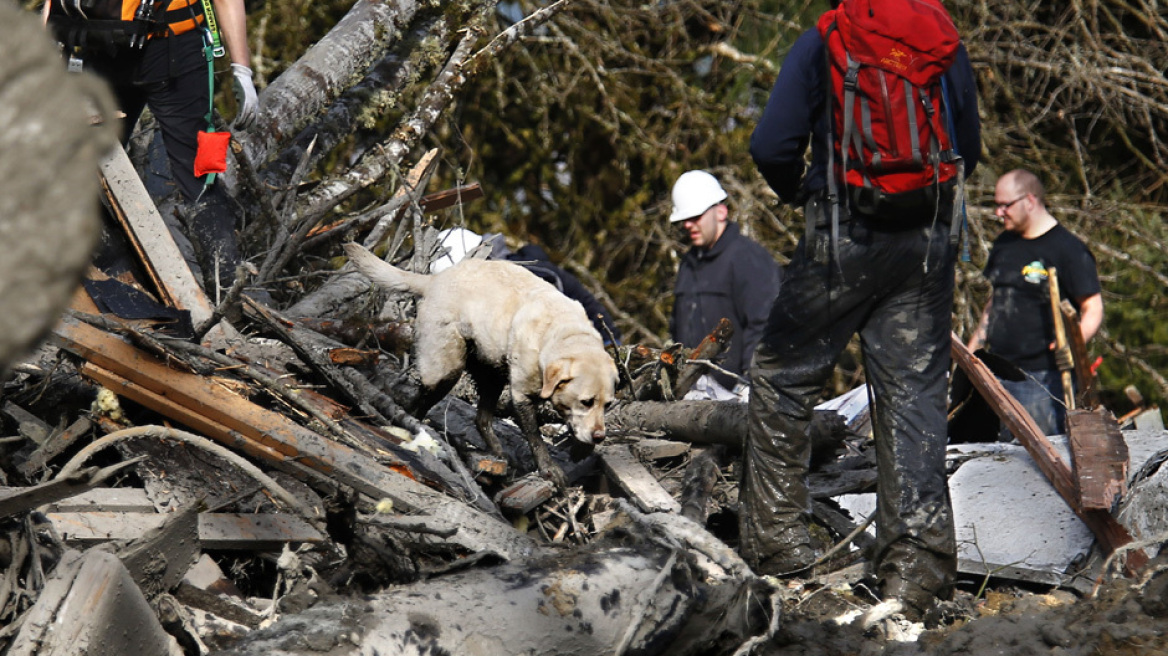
{"points": [[1060, 336]]}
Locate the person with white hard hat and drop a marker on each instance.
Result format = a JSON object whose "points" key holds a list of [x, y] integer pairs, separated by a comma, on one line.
{"points": [[724, 274]]}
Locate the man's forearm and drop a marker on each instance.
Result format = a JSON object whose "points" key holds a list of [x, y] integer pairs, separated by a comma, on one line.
{"points": [[232, 19], [1090, 316], [979, 333]]}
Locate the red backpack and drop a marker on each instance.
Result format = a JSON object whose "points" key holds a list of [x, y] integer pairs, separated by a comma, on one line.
{"points": [[888, 136]]}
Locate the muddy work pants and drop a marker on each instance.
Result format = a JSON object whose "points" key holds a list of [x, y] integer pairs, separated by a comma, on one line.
{"points": [[881, 288]]}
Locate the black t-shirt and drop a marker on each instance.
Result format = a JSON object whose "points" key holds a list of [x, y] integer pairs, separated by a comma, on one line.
{"points": [[1021, 322]]}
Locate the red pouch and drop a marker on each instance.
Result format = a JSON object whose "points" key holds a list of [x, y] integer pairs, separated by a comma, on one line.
{"points": [[211, 156]]}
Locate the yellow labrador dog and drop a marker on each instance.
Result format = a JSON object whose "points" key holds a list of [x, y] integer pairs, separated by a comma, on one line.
{"points": [[504, 324]]}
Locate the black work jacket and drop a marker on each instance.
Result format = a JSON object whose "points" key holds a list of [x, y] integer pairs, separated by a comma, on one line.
{"points": [[737, 279]]}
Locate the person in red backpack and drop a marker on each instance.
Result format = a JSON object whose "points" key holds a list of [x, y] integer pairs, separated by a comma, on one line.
{"points": [[153, 55], [878, 259]]}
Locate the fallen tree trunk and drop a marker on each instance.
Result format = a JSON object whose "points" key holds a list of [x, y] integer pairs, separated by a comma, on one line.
{"points": [[713, 422], [644, 599]]}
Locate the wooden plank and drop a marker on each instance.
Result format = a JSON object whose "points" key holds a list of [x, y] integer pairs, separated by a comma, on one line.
{"points": [[156, 248], [226, 531], [1109, 532], [21, 499], [104, 499], [623, 467], [270, 435], [91, 605], [655, 449], [1099, 456]]}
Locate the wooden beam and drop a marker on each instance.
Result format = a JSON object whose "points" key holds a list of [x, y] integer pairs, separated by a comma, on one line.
{"points": [[623, 467], [1099, 456], [105, 499], [147, 231], [21, 499], [235, 531], [1110, 533]]}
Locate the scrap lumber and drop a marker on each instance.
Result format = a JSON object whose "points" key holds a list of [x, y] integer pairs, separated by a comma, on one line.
{"points": [[1099, 457], [1110, 533], [18, 500], [709, 348], [654, 449], [441, 200], [104, 499], [164, 263], [713, 422], [698, 486], [626, 471], [221, 531], [91, 605], [525, 494], [699, 422], [227, 417]]}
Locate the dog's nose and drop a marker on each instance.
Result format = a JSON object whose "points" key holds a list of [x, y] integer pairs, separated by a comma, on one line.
{"points": [[597, 436]]}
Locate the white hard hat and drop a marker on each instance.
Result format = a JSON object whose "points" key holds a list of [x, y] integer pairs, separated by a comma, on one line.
{"points": [[694, 193], [458, 242]]}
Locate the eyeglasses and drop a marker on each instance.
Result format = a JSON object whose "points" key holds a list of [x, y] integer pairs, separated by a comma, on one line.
{"points": [[1002, 207]]}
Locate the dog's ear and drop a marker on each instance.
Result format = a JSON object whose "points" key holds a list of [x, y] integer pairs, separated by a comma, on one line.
{"points": [[554, 375]]}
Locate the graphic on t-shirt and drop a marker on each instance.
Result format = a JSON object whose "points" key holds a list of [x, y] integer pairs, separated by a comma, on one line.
{"points": [[1034, 273]]}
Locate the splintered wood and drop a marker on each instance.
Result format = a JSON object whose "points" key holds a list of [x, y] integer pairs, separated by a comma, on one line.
{"points": [[1099, 456]]}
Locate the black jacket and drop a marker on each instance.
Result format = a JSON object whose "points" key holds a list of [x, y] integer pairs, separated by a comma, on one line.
{"points": [[537, 261], [737, 279]]}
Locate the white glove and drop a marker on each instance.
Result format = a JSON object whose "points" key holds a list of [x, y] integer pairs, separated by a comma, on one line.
{"points": [[245, 96]]}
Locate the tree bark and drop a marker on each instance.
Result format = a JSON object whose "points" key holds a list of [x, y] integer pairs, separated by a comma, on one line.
{"points": [[630, 600], [318, 78]]}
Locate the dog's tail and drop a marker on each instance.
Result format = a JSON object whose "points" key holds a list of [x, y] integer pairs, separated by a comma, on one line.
{"points": [[384, 274]]}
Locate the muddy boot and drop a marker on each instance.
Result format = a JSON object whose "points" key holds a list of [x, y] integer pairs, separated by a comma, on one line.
{"points": [[916, 600], [796, 551]]}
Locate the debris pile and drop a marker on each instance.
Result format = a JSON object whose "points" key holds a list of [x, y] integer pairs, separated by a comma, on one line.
{"points": [[255, 485]]}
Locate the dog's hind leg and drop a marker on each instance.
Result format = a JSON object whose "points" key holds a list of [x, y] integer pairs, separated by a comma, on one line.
{"points": [[525, 415], [489, 384]]}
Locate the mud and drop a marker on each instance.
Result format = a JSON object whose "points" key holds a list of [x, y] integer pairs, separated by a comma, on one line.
{"points": [[1123, 618]]}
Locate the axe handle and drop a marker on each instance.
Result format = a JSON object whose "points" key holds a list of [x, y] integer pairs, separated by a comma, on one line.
{"points": [[1060, 336]]}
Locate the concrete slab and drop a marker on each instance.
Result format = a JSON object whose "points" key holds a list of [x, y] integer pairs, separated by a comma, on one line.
{"points": [[1012, 524]]}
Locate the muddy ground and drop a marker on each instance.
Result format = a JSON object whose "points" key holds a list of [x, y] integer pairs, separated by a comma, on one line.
{"points": [[1123, 618]]}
